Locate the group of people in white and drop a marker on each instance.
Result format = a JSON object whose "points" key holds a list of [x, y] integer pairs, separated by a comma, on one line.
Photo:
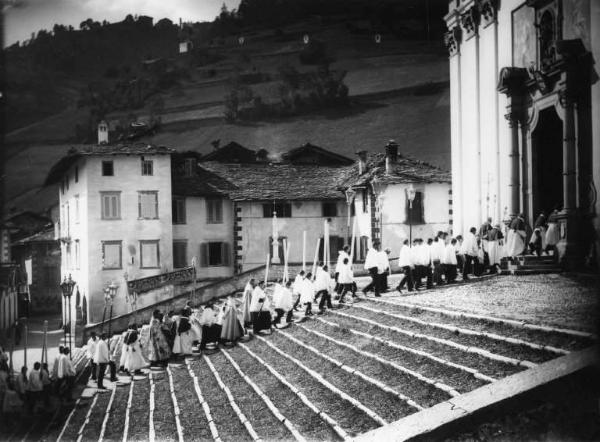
{"points": [[436, 261], [30, 391]]}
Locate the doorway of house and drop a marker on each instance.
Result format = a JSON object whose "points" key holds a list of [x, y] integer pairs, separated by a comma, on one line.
{"points": [[547, 163]]}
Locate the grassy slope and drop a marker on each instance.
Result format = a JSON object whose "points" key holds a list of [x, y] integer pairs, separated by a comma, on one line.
{"points": [[420, 124]]}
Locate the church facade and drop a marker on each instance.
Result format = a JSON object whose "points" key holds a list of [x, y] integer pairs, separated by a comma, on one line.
{"points": [[525, 115]]}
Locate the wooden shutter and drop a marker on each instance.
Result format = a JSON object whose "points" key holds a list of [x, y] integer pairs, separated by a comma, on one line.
{"points": [[204, 254], [226, 254]]}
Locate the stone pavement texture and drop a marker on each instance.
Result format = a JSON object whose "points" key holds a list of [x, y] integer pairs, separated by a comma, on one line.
{"points": [[564, 300], [350, 370]]}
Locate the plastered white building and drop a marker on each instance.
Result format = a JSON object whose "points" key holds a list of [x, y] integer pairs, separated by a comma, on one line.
{"points": [[525, 113]]}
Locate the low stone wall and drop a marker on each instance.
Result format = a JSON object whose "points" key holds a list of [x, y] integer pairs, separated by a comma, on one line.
{"points": [[201, 295], [204, 292]]}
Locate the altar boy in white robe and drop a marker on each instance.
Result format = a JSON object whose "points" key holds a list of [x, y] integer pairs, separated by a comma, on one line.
{"points": [[283, 303]]}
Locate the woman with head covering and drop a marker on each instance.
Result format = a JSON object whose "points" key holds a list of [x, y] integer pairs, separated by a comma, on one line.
{"points": [[494, 241], [246, 301], [134, 360], [184, 338], [159, 351], [231, 329]]}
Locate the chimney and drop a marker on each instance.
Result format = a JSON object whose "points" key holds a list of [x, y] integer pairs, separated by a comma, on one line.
{"points": [[391, 156], [102, 132], [362, 161]]}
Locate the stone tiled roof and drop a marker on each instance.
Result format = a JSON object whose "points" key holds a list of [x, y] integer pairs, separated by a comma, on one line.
{"points": [[75, 153], [203, 183], [405, 170], [281, 181]]}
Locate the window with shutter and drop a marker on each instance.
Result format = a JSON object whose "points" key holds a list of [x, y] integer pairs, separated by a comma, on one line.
{"points": [[179, 254], [214, 211], [149, 252], [415, 215], [107, 168], [111, 255], [179, 212], [226, 254], [215, 253], [283, 210], [111, 205], [329, 210], [204, 254], [148, 204], [147, 167]]}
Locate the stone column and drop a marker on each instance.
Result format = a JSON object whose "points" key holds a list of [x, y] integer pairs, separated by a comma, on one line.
{"points": [[514, 177], [569, 152], [512, 83]]}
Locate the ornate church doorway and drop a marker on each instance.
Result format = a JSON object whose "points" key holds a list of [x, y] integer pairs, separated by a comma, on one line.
{"points": [[547, 162]]}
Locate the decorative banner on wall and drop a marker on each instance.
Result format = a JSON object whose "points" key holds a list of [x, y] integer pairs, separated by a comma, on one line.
{"points": [[153, 282]]}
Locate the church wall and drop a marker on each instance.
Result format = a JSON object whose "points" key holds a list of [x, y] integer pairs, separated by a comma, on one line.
{"points": [[470, 166], [456, 145], [489, 121]]}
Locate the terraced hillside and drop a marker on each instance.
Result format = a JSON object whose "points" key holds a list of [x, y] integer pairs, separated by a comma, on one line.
{"points": [[351, 370]]}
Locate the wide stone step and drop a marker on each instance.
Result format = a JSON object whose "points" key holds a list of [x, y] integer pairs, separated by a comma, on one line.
{"points": [[387, 405], [545, 336], [483, 364], [194, 422], [524, 355], [529, 271], [225, 418], [303, 414], [349, 416], [264, 422]]}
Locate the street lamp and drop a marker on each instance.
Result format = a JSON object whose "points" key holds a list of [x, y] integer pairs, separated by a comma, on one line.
{"points": [[378, 188], [67, 290], [275, 243], [350, 193], [410, 193], [109, 295]]}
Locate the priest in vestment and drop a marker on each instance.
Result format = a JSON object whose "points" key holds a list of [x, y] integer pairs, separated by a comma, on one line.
{"points": [[516, 236], [259, 309]]}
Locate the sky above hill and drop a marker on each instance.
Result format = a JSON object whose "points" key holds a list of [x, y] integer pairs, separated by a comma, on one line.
{"points": [[22, 17]]}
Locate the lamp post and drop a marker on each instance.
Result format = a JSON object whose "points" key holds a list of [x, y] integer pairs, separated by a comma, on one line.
{"points": [[109, 295], [350, 193], [275, 244], [378, 189], [67, 291], [410, 193]]}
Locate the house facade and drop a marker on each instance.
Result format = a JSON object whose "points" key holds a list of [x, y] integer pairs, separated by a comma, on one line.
{"points": [[525, 106], [134, 211], [115, 221], [382, 207]]}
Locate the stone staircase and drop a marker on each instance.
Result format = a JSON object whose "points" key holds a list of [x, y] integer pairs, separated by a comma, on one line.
{"points": [[331, 377], [531, 265]]}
